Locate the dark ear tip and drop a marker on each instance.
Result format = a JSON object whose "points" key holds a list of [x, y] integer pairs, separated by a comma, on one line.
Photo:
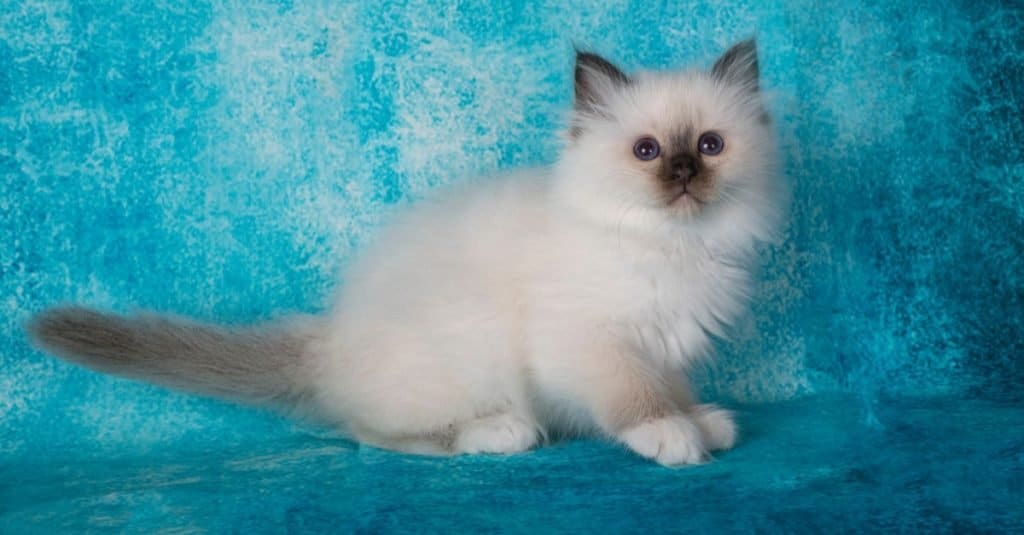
{"points": [[589, 61], [584, 57], [580, 51], [747, 46]]}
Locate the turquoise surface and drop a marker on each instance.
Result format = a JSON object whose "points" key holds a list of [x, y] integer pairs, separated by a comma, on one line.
{"points": [[226, 159]]}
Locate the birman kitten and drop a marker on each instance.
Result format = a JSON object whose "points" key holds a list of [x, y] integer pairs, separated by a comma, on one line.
{"points": [[551, 302]]}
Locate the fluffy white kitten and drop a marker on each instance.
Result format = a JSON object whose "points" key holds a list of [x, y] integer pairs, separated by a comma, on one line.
{"points": [[553, 302]]}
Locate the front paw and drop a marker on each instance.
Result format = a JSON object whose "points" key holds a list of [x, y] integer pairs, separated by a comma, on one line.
{"points": [[716, 425], [671, 441]]}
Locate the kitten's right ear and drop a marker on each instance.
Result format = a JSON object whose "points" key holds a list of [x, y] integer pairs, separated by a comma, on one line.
{"points": [[596, 79]]}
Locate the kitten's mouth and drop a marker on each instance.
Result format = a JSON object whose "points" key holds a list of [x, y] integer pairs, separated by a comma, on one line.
{"points": [[686, 198]]}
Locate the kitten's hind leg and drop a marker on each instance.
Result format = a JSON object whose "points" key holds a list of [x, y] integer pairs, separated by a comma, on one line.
{"points": [[502, 433]]}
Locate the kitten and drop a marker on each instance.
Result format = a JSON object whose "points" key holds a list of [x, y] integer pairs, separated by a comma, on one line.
{"points": [[553, 302]]}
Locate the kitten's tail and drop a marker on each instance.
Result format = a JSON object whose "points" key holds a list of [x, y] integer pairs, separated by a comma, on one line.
{"points": [[255, 365]]}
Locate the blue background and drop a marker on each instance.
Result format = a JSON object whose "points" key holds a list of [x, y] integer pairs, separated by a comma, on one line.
{"points": [[226, 159]]}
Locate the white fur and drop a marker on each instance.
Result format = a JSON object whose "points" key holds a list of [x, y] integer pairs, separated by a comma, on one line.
{"points": [[565, 300]]}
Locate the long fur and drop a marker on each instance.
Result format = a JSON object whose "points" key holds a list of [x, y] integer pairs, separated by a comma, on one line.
{"points": [[558, 301], [251, 365]]}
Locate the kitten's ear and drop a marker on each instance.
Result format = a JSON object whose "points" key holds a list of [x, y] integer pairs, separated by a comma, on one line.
{"points": [[596, 79], [738, 66]]}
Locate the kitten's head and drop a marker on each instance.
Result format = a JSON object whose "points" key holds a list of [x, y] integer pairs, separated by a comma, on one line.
{"points": [[690, 150]]}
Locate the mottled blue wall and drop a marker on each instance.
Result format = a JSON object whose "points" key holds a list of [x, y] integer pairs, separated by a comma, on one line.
{"points": [[224, 159]]}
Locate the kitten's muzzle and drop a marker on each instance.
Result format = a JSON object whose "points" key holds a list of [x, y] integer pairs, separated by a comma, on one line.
{"points": [[684, 176]]}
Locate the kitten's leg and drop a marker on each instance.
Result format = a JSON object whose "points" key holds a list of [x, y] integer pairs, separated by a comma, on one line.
{"points": [[645, 414], [715, 423], [502, 433], [499, 433], [670, 440], [629, 400]]}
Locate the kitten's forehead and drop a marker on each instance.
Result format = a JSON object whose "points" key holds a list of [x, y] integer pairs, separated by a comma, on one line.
{"points": [[679, 105]]}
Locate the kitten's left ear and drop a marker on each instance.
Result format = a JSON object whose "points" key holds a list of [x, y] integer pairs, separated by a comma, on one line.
{"points": [[738, 66], [596, 79]]}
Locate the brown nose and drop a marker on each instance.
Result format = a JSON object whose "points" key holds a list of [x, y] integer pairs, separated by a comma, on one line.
{"points": [[684, 168]]}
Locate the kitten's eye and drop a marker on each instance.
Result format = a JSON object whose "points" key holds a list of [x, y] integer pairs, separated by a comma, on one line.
{"points": [[710, 143], [646, 148]]}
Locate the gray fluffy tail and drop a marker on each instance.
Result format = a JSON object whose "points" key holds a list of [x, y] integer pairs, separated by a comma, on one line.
{"points": [[253, 365]]}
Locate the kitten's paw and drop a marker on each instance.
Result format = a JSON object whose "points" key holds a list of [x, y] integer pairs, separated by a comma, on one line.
{"points": [[503, 433], [717, 426], [671, 441]]}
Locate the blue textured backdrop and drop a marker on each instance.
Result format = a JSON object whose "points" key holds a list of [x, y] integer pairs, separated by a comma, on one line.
{"points": [[224, 159]]}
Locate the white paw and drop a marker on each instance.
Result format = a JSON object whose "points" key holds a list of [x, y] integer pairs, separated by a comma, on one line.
{"points": [[717, 426], [671, 441], [503, 433]]}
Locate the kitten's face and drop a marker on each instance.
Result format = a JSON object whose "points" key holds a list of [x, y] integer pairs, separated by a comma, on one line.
{"points": [[669, 147]]}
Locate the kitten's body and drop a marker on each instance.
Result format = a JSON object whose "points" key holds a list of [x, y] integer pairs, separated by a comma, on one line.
{"points": [[569, 300]]}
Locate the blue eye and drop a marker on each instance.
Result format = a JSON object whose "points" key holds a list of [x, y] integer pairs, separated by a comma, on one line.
{"points": [[646, 149], [710, 143]]}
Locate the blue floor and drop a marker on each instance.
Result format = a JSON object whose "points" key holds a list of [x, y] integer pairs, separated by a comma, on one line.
{"points": [[225, 160], [817, 464]]}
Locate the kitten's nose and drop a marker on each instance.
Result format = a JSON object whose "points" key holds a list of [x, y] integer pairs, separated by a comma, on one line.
{"points": [[684, 168]]}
